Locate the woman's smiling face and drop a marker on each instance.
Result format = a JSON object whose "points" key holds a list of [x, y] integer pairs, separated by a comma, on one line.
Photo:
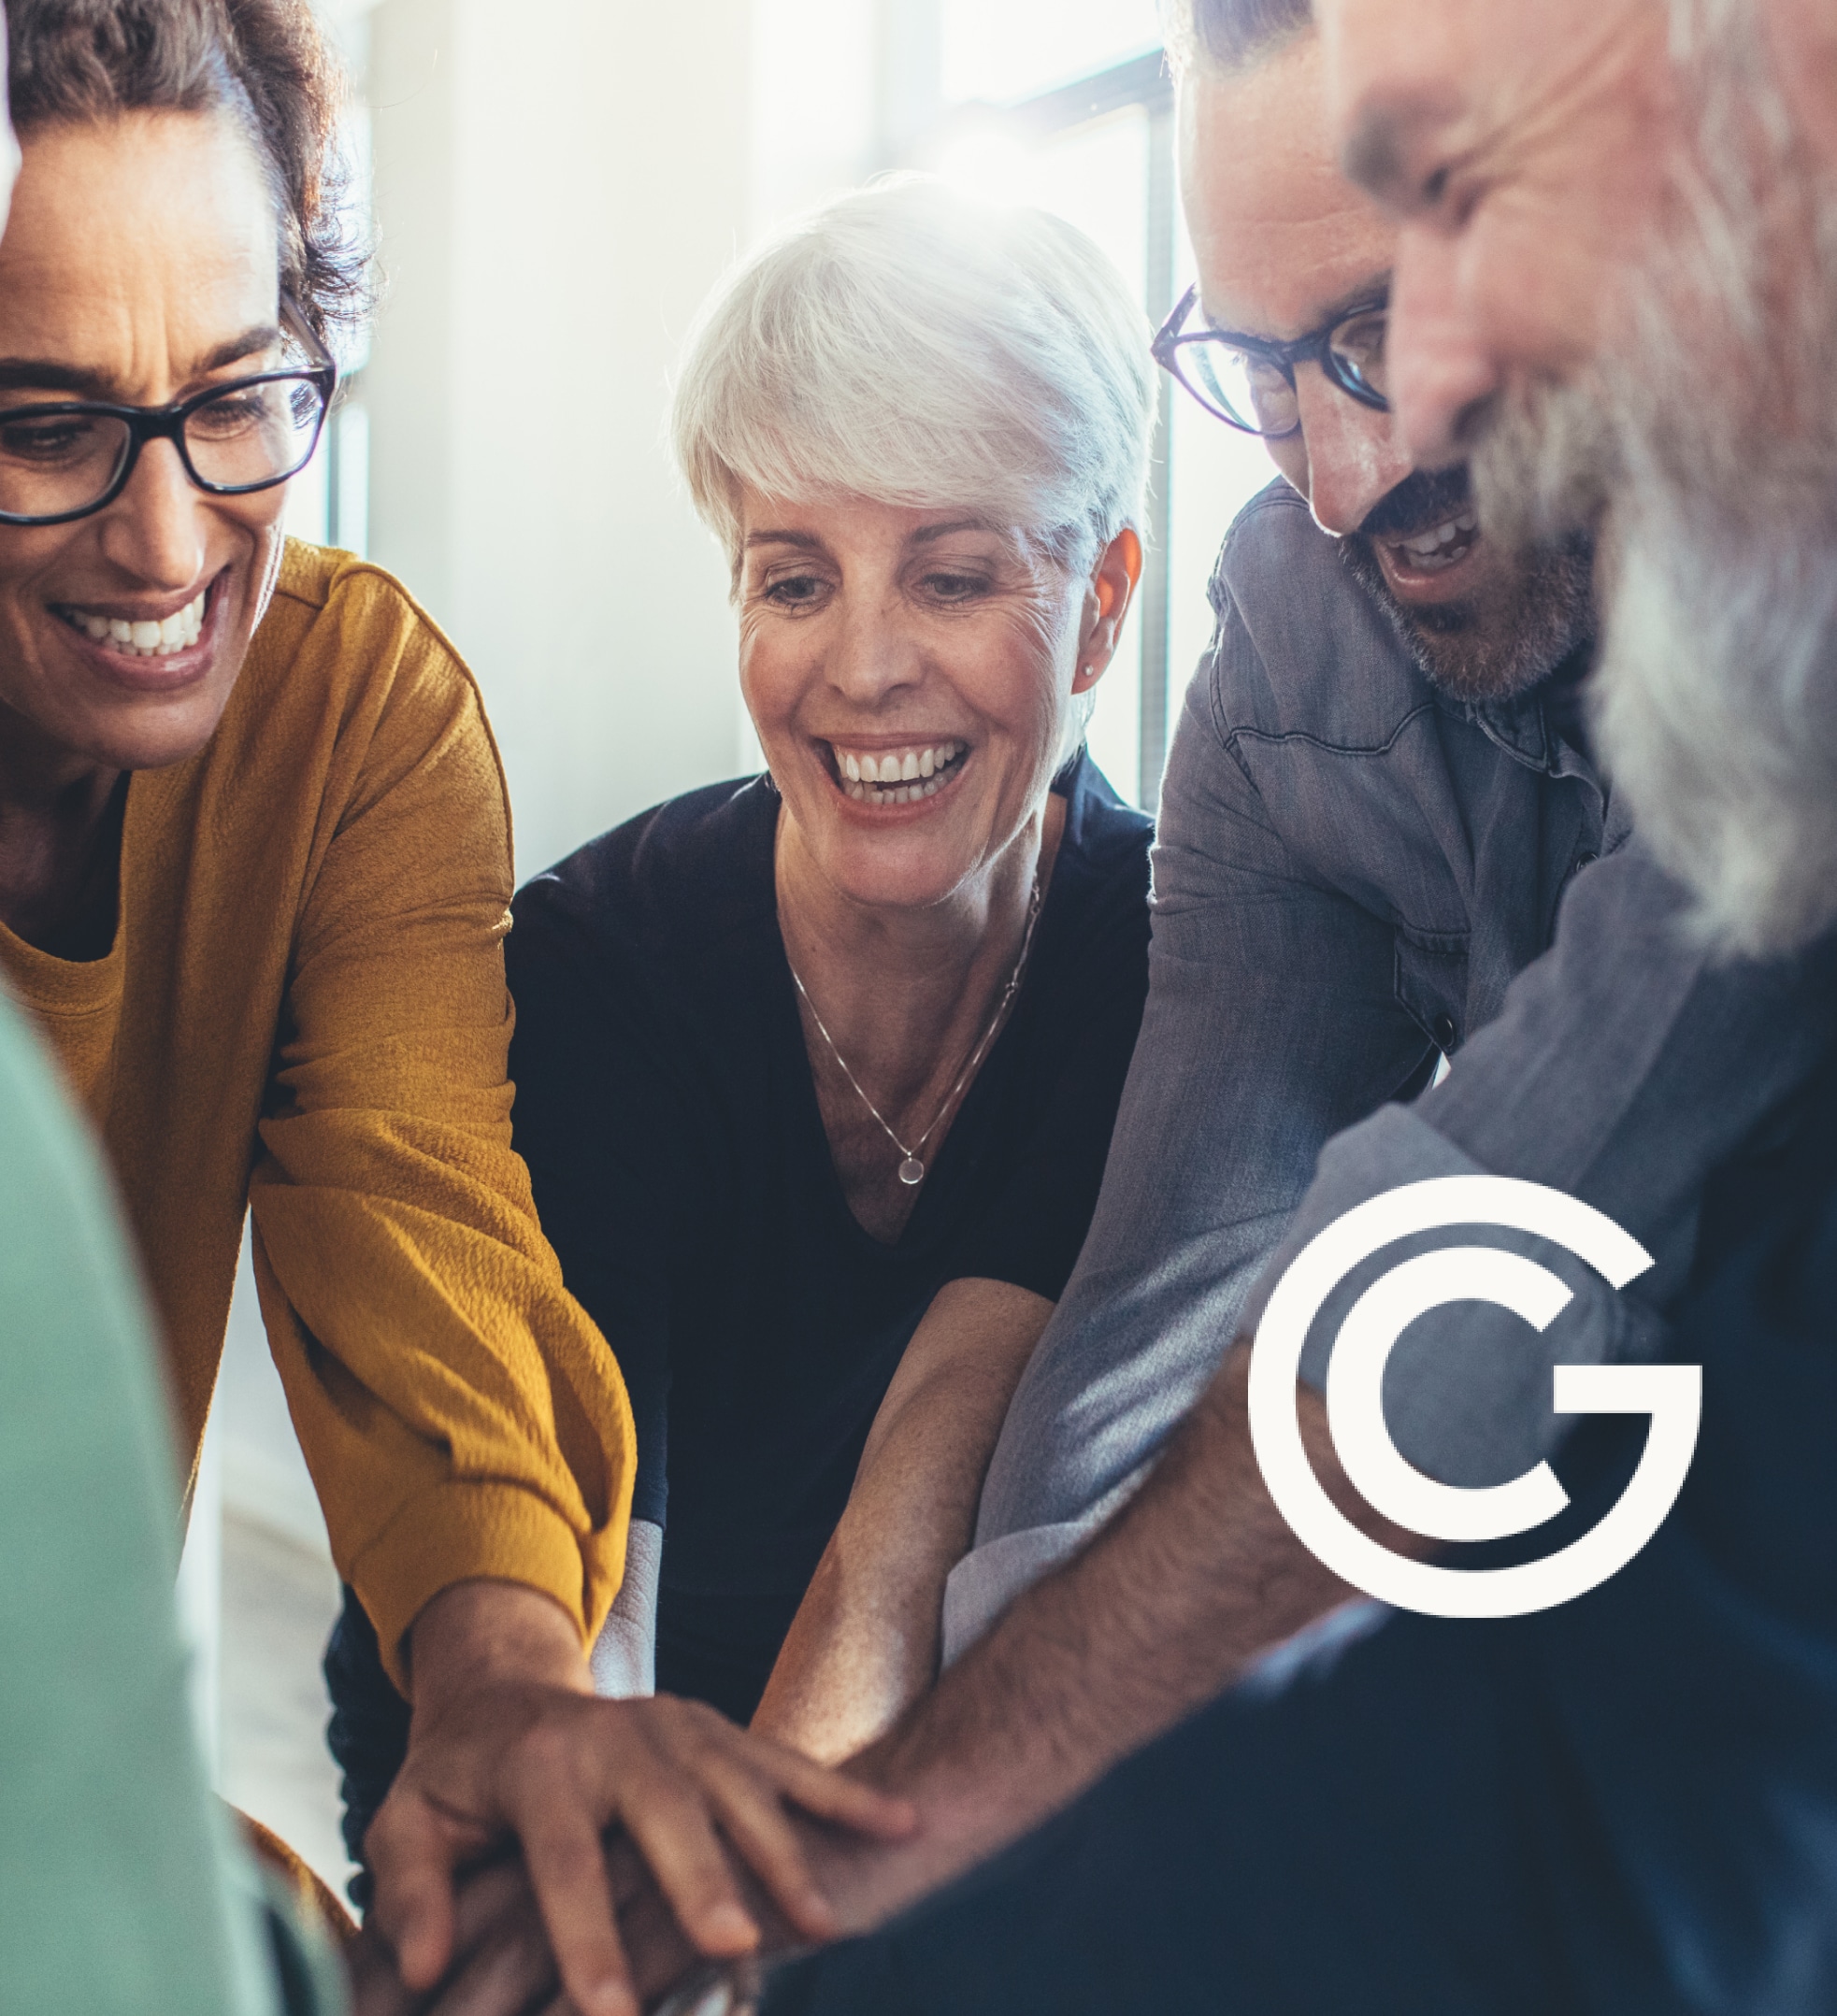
{"points": [[912, 674], [139, 264]]}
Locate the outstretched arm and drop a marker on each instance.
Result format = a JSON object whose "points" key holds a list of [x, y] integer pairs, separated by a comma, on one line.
{"points": [[1667, 1061], [1196, 1578], [1193, 1580], [865, 1642]]}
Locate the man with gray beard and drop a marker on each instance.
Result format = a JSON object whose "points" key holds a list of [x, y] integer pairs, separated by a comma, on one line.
{"points": [[1710, 440], [1704, 426]]}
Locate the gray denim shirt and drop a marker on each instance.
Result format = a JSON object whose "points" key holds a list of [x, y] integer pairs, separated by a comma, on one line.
{"points": [[1352, 871]]}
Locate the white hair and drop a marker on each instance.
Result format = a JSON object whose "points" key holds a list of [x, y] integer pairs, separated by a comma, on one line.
{"points": [[911, 345]]}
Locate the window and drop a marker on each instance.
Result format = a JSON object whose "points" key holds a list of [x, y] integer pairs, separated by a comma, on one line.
{"points": [[1016, 49], [329, 501], [1099, 151]]}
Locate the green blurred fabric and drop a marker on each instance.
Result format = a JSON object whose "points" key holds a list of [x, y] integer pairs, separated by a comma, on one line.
{"points": [[121, 1887]]}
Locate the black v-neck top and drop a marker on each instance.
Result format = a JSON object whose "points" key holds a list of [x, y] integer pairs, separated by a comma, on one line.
{"points": [[667, 1110], [667, 1113]]}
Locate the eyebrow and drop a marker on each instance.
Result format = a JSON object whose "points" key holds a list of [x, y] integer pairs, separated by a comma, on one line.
{"points": [[805, 542], [44, 374], [929, 534], [1367, 294], [1376, 156], [1372, 157]]}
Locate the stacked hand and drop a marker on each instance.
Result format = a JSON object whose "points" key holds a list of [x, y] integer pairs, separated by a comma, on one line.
{"points": [[510, 1750]]}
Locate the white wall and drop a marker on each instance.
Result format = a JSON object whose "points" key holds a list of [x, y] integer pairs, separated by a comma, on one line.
{"points": [[558, 185]]}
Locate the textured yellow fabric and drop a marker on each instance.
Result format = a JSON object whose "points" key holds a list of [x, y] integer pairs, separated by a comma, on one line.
{"points": [[305, 1012]]}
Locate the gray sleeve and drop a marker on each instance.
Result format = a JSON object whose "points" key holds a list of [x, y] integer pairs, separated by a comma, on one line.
{"points": [[1625, 1065], [1271, 1023], [624, 1659]]}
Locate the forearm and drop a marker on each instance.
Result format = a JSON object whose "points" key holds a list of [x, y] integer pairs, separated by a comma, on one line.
{"points": [[1195, 1580], [865, 1641]]}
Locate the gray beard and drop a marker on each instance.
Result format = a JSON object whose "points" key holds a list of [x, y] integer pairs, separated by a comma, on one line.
{"points": [[1719, 717], [1717, 693]]}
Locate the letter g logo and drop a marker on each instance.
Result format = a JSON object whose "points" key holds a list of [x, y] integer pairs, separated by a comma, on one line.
{"points": [[1671, 1394]]}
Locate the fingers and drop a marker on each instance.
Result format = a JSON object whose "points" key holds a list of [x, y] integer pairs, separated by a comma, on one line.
{"points": [[412, 1855], [567, 1873], [667, 1818], [704, 1770], [553, 1770], [510, 1973], [756, 1824], [845, 1801], [375, 1987]]}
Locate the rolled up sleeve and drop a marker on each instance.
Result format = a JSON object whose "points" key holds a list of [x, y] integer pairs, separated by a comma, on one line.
{"points": [[460, 1413]]}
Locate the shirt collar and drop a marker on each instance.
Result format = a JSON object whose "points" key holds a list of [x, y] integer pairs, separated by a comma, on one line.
{"points": [[1523, 727]]}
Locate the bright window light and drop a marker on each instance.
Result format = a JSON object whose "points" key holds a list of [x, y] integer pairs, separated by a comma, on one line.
{"points": [[814, 97], [992, 165], [1014, 49], [307, 513]]}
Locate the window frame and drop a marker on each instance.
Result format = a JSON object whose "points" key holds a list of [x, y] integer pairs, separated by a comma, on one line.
{"points": [[1143, 82]]}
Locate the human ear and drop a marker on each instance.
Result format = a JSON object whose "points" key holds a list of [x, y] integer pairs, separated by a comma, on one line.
{"points": [[1113, 586]]}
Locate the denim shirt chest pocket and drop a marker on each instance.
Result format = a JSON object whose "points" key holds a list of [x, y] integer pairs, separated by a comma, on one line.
{"points": [[1431, 823]]}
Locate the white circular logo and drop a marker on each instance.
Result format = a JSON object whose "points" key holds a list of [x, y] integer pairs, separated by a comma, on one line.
{"points": [[1671, 1394]]}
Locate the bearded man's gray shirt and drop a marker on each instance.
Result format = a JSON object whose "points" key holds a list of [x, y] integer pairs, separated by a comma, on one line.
{"points": [[1356, 875]]}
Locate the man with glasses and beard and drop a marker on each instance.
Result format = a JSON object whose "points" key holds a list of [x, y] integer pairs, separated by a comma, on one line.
{"points": [[1377, 795]]}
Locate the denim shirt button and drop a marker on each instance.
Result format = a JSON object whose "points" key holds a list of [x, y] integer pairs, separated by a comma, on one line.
{"points": [[1444, 1033]]}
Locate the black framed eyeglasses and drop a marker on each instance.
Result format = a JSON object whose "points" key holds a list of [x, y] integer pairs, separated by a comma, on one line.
{"points": [[63, 459], [1249, 383]]}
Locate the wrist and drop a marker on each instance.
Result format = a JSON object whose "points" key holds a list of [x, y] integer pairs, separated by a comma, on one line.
{"points": [[481, 1635]]}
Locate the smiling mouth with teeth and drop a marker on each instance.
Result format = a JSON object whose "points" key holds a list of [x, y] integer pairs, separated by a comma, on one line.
{"points": [[1429, 552], [897, 775], [179, 632]]}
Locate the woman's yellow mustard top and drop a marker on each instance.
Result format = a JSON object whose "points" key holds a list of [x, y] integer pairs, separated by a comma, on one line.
{"points": [[304, 1013]]}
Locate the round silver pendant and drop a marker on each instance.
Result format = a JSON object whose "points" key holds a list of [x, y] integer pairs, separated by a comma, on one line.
{"points": [[911, 1172]]}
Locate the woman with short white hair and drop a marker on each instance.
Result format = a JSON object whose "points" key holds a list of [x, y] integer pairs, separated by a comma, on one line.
{"points": [[816, 1071]]}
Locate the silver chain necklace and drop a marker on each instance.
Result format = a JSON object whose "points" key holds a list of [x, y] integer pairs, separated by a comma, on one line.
{"points": [[912, 1170]]}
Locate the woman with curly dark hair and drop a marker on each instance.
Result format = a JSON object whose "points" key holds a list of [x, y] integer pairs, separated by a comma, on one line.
{"points": [[254, 877]]}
